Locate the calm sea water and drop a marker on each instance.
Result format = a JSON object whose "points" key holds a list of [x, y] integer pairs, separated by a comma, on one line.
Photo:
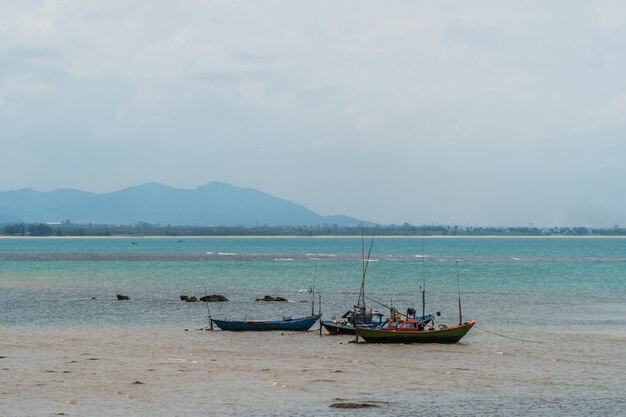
{"points": [[504, 282], [568, 294]]}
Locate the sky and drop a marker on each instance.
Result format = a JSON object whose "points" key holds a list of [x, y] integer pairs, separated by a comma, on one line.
{"points": [[488, 113]]}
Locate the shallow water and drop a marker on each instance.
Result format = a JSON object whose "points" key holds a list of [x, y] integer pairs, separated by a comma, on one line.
{"points": [[568, 294]]}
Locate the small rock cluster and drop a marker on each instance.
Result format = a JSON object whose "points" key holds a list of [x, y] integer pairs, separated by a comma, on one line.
{"points": [[271, 298], [215, 298]]}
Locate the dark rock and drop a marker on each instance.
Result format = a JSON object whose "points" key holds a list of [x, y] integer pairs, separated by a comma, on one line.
{"points": [[184, 297], [215, 298], [122, 297], [192, 300], [271, 298], [137, 383], [352, 405]]}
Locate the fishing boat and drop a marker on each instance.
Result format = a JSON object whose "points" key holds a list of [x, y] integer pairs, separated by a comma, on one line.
{"points": [[401, 328], [299, 324], [286, 323], [408, 330], [350, 321], [359, 316]]}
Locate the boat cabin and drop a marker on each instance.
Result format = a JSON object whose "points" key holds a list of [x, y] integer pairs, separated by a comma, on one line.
{"points": [[403, 325]]}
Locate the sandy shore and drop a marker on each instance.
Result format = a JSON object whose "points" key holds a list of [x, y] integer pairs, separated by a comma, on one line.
{"points": [[167, 371]]}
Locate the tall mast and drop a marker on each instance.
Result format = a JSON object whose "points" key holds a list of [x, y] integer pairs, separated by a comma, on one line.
{"points": [[361, 302], [313, 289], [423, 278], [364, 264], [458, 283]]}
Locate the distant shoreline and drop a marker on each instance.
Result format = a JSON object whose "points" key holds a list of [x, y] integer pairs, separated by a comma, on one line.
{"points": [[320, 237]]}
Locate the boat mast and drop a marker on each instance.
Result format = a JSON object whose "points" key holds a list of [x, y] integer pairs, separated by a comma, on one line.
{"points": [[208, 310], [423, 278], [458, 283], [364, 264], [361, 302], [313, 290]]}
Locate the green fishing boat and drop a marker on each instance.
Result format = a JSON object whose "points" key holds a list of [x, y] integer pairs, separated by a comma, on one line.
{"points": [[401, 328], [409, 330]]}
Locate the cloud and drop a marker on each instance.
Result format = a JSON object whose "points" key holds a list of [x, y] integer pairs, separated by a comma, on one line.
{"points": [[479, 112]]}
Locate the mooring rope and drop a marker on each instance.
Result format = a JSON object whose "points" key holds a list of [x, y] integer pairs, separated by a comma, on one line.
{"points": [[507, 337]]}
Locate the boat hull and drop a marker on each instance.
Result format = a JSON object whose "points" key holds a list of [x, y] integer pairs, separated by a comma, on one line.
{"points": [[339, 329], [298, 324], [449, 335]]}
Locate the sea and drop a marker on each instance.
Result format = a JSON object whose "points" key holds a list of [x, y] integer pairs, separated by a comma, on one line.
{"points": [[550, 338]]}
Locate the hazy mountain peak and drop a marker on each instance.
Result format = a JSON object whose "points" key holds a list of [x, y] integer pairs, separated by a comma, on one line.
{"points": [[215, 203]]}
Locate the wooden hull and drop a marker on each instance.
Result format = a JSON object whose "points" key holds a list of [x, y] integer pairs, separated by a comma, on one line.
{"points": [[449, 335], [298, 324]]}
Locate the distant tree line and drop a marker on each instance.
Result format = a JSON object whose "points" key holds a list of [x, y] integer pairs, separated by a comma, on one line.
{"points": [[23, 229], [145, 229]]}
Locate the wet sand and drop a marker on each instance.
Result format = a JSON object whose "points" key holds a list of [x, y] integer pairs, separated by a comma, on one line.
{"points": [[167, 371]]}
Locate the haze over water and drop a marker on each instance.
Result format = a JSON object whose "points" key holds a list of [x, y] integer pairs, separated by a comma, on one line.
{"points": [[67, 352]]}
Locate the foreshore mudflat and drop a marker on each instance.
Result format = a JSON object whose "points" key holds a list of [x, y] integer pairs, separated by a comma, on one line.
{"points": [[170, 370]]}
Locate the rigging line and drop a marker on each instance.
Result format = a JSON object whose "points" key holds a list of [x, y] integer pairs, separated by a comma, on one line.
{"points": [[361, 299], [507, 337], [370, 250], [386, 306], [365, 265]]}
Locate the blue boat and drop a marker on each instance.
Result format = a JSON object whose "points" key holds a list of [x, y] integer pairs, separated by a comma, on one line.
{"points": [[301, 324], [353, 319]]}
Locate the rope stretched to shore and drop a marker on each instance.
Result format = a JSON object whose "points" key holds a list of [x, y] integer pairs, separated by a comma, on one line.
{"points": [[507, 337]]}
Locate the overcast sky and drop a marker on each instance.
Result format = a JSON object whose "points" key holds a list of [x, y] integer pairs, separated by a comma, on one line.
{"points": [[468, 112]]}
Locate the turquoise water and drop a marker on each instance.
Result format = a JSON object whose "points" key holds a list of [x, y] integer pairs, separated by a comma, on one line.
{"points": [[53, 281], [58, 305]]}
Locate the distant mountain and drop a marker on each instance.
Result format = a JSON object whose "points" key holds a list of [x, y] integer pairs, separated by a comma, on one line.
{"points": [[215, 203]]}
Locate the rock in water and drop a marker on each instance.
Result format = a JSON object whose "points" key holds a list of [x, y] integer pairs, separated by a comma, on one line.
{"points": [[122, 297], [184, 298], [215, 298], [352, 405], [271, 298], [192, 300]]}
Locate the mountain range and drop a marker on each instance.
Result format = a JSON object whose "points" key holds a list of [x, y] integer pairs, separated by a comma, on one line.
{"points": [[216, 203]]}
